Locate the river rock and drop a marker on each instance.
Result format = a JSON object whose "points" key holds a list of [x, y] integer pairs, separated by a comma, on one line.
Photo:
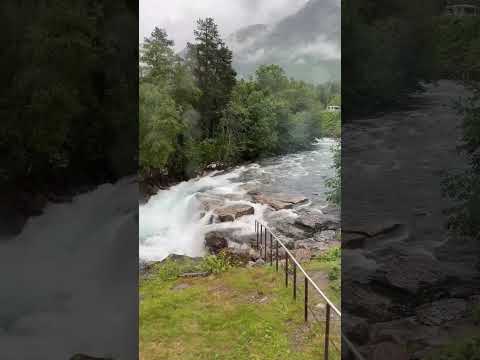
{"points": [[360, 299], [316, 221], [210, 203], [390, 351], [278, 201], [215, 241], [411, 272], [230, 213], [441, 311], [356, 329], [315, 247]]}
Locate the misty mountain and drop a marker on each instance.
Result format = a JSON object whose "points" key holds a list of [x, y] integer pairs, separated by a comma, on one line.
{"points": [[306, 44]]}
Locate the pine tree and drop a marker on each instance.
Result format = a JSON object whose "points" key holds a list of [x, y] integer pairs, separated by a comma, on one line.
{"points": [[157, 56], [211, 63]]}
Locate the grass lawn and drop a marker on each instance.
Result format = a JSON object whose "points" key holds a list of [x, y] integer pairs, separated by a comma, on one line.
{"points": [[240, 314]]}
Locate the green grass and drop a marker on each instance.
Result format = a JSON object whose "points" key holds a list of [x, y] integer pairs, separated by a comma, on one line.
{"points": [[240, 314], [330, 263]]}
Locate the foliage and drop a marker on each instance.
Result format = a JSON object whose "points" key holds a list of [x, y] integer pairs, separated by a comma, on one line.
{"points": [[159, 126], [387, 51], [335, 183], [465, 187], [67, 116], [211, 63], [207, 116], [217, 264]]}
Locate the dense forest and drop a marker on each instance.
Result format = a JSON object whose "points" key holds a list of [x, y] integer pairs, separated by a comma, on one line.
{"points": [[194, 111], [69, 99]]}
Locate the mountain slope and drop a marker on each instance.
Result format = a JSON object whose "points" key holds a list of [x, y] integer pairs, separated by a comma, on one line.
{"points": [[306, 44]]}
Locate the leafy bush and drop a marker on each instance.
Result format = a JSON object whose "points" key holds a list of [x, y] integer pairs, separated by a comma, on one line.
{"points": [[217, 264]]}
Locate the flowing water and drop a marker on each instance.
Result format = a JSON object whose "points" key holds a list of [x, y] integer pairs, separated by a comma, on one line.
{"points": [[173, 221]]}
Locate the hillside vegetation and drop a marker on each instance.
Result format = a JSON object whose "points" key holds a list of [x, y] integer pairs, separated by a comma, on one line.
{"points": [[194, 111]]}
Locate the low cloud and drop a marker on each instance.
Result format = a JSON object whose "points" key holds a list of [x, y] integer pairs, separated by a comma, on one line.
{"points": [[179, 17]]}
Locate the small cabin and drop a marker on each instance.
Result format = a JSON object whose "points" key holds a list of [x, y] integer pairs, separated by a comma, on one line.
{"points": [[462, 8], [333, 108]]}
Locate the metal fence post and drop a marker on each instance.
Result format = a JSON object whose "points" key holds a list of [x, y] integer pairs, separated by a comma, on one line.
{"points": [[294, 281], [271, 249], [276, 255], [265, 242], [286, 269], [327, 331], [306, 300]]}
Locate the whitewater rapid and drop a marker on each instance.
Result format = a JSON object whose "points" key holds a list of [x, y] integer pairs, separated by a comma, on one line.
{"points": [[174, 221]]}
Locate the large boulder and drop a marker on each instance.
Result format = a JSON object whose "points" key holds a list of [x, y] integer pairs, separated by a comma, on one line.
{"points": [[390, 351], [442, 311], [410, 272], [316, 221], [230, 213], [278, 201], [210, 203], [215, 241]]}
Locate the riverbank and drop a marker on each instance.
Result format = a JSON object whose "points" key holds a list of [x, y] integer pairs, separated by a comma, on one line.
{"points": [[286, 192]]}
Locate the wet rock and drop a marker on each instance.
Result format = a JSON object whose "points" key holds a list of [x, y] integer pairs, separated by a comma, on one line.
{"points": [[302, 255], [316, 221], [441, 311], [259, 262], [215, 241], [356, 329], [372, 230], [390, 351], [410, 272], [230, 213], [403, 331], [315, 247], [244, 253], [353, 240], [326, 236], [362, 300], [288, 229], [278, 201], [210, 203]]}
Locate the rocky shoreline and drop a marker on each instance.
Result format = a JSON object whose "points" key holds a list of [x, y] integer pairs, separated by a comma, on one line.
{"points": [[307, 232]]}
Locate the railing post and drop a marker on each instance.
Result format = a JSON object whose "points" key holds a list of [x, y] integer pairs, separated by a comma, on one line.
{"points": [[294, 281], [306, 300], [265, 242], [276, 255], [327, 331], [260, 242], [271, 249], [257, 233], [286, 269]]}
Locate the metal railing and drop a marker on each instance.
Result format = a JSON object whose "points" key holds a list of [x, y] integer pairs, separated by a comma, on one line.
{"points": [[334, 337]]}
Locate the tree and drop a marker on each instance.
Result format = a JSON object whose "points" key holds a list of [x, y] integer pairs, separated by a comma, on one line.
{"points": [[211, 64], [158, 128], [157, 57], [271, 78]]}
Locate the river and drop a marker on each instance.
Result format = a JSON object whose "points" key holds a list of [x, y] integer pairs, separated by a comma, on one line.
{"points": [[174, 222]]}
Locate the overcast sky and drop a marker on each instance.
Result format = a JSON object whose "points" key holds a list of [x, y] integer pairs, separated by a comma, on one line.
{"points": [[178, 17]]}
